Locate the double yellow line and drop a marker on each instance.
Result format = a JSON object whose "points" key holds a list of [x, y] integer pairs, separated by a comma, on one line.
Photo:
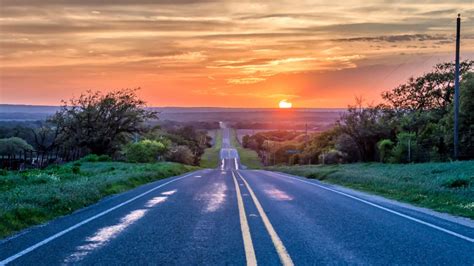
{"points": [[248, 244]]}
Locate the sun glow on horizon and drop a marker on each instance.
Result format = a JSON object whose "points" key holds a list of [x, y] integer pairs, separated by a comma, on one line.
{"points": [[284, 104]]}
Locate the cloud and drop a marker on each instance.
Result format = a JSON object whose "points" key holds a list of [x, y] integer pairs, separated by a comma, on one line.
{"points": [[247, 80], [398, 38], [218, 47]]}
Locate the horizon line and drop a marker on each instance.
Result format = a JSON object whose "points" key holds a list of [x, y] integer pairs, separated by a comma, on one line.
{"points": [[214, 107]]}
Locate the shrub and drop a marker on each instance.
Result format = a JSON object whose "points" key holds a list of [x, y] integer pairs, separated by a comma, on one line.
{"points": [[181, 154], [458, 182], [385, 149], [76, 169], [90, 158], [144, 151], [332, 157], [3, 172], [93, 158], [406, 149], [104, 158]]}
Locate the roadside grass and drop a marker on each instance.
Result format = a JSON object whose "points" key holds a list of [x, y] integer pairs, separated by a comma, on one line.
{"points": [[210, 157], [248, 157], [444, 187], [35, 196]]}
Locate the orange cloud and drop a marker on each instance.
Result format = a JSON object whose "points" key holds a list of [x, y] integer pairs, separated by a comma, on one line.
{"points": [[223, 53]]}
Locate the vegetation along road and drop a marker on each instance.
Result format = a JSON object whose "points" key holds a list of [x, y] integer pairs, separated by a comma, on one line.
{"points": [[230, 215]]}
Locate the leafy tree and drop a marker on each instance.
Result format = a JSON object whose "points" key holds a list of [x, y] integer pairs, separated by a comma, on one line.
{"points": [[101, 122], [14, 146], [366, 126], [347, 145], [433, 90], [144, 151], [466, 116], [196, 140], [45, 137]]}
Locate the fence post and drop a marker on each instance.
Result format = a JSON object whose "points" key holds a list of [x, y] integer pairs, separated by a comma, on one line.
{"points": [[409, 150]]}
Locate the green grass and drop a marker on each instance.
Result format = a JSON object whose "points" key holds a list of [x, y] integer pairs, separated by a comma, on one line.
{"points": [[445, 187], [248, 157], [210, 158], [35, 196]]}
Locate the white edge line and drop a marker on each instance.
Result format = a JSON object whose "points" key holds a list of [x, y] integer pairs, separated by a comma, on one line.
{"points": [[51, 238], [382, 208]]}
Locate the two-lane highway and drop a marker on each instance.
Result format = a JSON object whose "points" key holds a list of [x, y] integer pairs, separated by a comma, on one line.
{"points": [[233, 216]]}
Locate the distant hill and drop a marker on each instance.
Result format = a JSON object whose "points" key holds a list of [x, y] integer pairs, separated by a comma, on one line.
{"points": [[241, 117]]}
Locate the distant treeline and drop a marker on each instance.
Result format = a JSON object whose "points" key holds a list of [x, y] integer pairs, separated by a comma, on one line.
{"points": [[414, 123], [116, 124]]}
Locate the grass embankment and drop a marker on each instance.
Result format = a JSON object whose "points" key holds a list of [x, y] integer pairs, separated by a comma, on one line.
{"points": [[445, 187], [35, 196], [248, 157], [210, 158]]}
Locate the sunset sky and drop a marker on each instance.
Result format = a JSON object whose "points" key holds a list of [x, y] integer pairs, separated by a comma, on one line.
{"points": [[224, 53]]}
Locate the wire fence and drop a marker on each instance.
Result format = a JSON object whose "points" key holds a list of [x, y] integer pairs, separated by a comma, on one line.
{"points": [[38, 159], [411, 149]]}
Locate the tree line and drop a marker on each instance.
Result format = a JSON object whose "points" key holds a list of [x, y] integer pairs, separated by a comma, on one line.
{"points": [[414, 123], [112, 124]]}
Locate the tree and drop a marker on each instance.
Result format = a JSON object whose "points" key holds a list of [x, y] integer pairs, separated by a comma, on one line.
{"points": [[14, 146], [320, 143], [99, 122], [366, 126], [433, 90], [466, 116], [347, 145], [45, 137]]}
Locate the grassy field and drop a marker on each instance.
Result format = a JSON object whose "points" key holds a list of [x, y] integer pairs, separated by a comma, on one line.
{"points": [[445, 187], [248, 157], [35, 196], [210, 158]]}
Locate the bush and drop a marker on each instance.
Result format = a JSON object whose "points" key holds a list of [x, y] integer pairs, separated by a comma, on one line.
{"points": [[332, 157], [385, 147], [93, 158], [181, 154], [144, 151], [104, 158], [459, 182], [90, 158], [406, 150], [76, 169]]}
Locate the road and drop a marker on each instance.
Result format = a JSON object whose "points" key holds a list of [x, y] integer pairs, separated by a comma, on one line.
{"points": [[233, 216]]}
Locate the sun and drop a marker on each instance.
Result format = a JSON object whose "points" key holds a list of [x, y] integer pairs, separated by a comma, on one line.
{"points": [[284, 104]]}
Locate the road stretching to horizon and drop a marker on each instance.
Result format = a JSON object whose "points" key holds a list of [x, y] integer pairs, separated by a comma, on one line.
{"points": [[230, 215]]}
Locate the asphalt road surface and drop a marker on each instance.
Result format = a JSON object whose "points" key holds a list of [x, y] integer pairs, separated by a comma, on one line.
{"points": [[233, 216]]}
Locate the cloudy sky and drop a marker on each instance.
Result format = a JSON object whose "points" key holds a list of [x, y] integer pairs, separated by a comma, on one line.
{"points": [[224, 53]]}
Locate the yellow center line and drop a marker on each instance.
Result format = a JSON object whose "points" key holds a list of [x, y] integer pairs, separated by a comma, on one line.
{"points": [[244, 226], [280, 248]]}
